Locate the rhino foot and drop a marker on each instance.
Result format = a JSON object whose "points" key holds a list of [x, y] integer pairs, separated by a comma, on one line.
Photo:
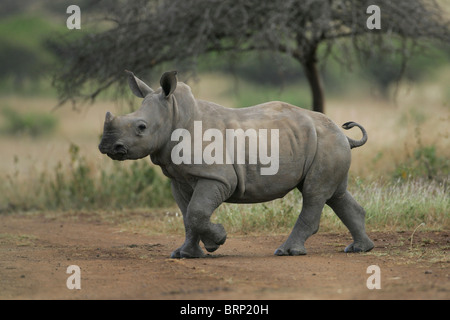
{"points": [[297, 251], [360, 246], [212, 246], [187, 252], [215, 239]]}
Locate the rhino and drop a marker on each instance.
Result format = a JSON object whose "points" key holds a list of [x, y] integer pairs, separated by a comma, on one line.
{"points": [[313, 156]]}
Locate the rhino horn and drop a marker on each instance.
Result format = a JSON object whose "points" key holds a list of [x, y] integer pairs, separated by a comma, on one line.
{"points": [[109, 116]]}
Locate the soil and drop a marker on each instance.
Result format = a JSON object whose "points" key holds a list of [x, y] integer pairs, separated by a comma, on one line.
{"points": [[35, 253]]}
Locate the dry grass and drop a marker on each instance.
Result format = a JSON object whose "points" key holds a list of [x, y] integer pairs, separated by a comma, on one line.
{"points": [[396, 129]]}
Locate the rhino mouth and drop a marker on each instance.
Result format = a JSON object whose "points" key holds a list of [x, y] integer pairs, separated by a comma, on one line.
{"points": [[117, 156], [117, 152]]}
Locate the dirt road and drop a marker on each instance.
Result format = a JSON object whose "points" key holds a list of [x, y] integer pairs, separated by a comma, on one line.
{"points": [[35, 253]]}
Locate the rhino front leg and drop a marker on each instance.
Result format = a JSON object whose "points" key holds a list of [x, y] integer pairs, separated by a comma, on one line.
{"points": [[190, 248], [207, 196]]}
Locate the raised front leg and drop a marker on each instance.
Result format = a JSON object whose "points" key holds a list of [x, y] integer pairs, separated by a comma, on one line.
{"points": [[207, 196]]}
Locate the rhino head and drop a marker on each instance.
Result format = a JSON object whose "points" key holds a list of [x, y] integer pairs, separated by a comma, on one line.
{"points": [[139, 134]]}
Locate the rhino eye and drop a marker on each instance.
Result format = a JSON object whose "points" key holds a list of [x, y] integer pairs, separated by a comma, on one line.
{"points": [[140, 128]]}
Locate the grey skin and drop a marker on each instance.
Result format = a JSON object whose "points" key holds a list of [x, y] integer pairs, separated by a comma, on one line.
{"points": [[314, 157]]}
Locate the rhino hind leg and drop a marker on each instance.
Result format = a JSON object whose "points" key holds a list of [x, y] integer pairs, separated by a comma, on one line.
{"points": [[353, 217], [307, 224]]}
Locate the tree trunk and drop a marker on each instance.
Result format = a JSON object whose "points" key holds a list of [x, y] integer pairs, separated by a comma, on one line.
{"points": [[315, 83]]}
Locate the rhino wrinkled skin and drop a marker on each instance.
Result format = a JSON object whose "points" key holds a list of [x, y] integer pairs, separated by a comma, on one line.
{"points": [[314, 156]]}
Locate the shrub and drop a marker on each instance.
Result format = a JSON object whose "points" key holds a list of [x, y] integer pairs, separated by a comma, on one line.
{"points": [[424, 163], [138, 185], [80, 185], [32, 123]]}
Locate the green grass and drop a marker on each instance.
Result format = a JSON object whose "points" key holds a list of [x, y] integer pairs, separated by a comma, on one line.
{"points": [[400, 204], [80, 186], [389, 206]]}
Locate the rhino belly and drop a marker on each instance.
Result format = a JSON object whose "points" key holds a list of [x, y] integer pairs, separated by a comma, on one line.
{"points": [[254, 187]]}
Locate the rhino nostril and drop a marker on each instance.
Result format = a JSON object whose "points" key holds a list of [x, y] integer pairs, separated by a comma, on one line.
{"points": [[119, 148]]}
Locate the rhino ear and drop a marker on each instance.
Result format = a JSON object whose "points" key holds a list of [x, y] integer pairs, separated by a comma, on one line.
{"points": [[137, 86], [168, 82]]}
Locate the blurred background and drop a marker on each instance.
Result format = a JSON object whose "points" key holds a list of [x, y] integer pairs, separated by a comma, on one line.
{"points": [[48, 139]]}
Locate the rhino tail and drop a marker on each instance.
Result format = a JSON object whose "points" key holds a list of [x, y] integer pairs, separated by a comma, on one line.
{"points": [[355, 143]]}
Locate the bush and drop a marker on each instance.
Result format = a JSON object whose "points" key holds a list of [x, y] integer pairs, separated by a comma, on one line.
{"points": [[138, 185], [423, 163], [82, 186], [31, 123]]}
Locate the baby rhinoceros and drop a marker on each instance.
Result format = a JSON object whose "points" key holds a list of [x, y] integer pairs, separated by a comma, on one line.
{"points": [[213, 154]]}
